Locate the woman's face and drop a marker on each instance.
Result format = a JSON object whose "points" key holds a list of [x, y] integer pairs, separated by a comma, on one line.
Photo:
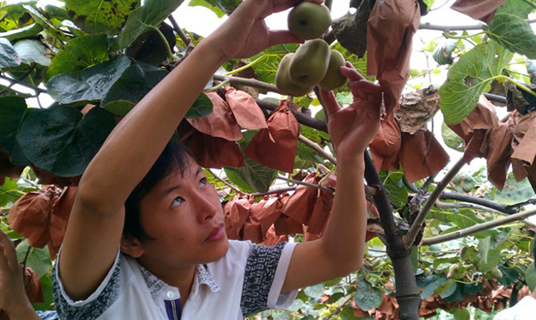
{"points": [[184, 216]]}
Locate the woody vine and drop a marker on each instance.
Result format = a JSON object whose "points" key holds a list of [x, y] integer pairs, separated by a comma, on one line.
{"points": [[452, 237]]}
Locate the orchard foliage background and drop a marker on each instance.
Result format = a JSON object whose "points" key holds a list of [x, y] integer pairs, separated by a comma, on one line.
{"points": [[97, 59]]}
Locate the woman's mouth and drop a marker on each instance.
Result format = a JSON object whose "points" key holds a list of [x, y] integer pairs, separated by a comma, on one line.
{"points": [[216, 234]]}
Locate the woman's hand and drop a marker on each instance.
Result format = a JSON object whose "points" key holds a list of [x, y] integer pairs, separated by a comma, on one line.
{"points": [[13, 299], [245, 33], [351, 129]]}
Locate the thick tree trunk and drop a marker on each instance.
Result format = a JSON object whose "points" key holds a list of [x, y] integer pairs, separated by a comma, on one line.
{"points": [[407, 292]]}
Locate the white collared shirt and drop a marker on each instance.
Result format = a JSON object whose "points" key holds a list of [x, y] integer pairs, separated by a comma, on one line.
{"points": [[248, 279], [523, 310]]}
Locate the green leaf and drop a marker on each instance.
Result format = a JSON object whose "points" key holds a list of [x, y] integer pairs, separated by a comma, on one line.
{"points": [[41, 20], [202, 107], [135, 82], [513, 33], [443, 54], [61, 140], [46, 285], [32, 51], [315, 291], [394, 185], [95, 16], [8, 56], [367, 297], [530, 276], [430, 289], [143, 19], [13, 16], [460, 314], [266, 68], [91, 84], [514, 191], [429, 4], [469, 78], [24, 32], [519, 8], [451, 139], [38, 259], [219, 7], [79, 54], [119, 107], [252, 177], [8, 192], [12, 111]]}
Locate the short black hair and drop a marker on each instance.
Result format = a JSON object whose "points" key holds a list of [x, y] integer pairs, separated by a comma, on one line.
{"points": [[175, 156]]}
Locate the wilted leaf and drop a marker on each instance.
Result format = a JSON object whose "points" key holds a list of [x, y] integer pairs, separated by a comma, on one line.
{"points": [[96, 16], [61, 141], [32, 51], [513, 33], [90, 85], [416, 109], [469, 78], [8, 56], [79, 54], [143, 19]]}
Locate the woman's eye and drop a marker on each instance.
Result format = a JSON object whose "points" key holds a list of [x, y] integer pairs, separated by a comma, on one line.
{"points": [[203, 182], [177, 201]]}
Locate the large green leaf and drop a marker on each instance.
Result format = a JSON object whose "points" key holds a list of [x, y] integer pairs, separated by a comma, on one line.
{"points": [[520, 8], [366, 296], [143, 19], [513, 33], [12, 111], [514, 191], [91, 85], [135, 82], [24, 32], [44, 22], [61, 140], [32, 51], [38, 259], [394, 185], [202, 107], [14, 16], [219, 7], [469, 78], [451, 139], [8, 56], [79, 54], [252, 177], [269, 60], [96, 16]]}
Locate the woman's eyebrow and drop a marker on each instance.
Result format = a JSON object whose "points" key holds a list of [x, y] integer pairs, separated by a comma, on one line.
{"points": [[178, 186]]}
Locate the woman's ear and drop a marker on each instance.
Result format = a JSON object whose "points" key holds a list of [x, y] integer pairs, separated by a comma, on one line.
{"points": [[132, 246]]}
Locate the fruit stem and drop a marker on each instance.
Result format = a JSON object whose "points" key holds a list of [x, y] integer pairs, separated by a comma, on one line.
{"points": [[166, 43], [246, 66], [521, 86]]}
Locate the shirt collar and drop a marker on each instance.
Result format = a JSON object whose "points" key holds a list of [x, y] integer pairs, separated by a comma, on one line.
{"points": [[203, 276]]}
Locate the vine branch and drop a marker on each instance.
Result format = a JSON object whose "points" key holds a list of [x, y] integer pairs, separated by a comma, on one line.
{"points": [[318, 149], [410, 237], [430, 26], [477, 228], [179, 31]]}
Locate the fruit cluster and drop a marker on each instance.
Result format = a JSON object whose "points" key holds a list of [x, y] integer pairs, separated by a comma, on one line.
{"points": [[313, 63]]}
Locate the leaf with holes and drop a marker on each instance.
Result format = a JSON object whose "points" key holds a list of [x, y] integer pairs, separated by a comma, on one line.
{"points": [[96, 16], [469, 78]]}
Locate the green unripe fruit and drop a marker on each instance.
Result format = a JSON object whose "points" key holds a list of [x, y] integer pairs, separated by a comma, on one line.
{"points": [[333, 78], [310, 63], [283, 81], [309, 20]]}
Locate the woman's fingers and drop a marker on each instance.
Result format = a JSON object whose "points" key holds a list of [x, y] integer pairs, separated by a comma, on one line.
{"points": [[8, 251], [366, 90], [350, 72], [330, 102]]}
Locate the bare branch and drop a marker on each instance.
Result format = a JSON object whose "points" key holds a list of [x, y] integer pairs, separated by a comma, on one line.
{"points": [[318, 149], [462, 205], [477, 228], [27, 85], [316, 186], [483, 202], [248, 82], [179, 31], [410, 237]]}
